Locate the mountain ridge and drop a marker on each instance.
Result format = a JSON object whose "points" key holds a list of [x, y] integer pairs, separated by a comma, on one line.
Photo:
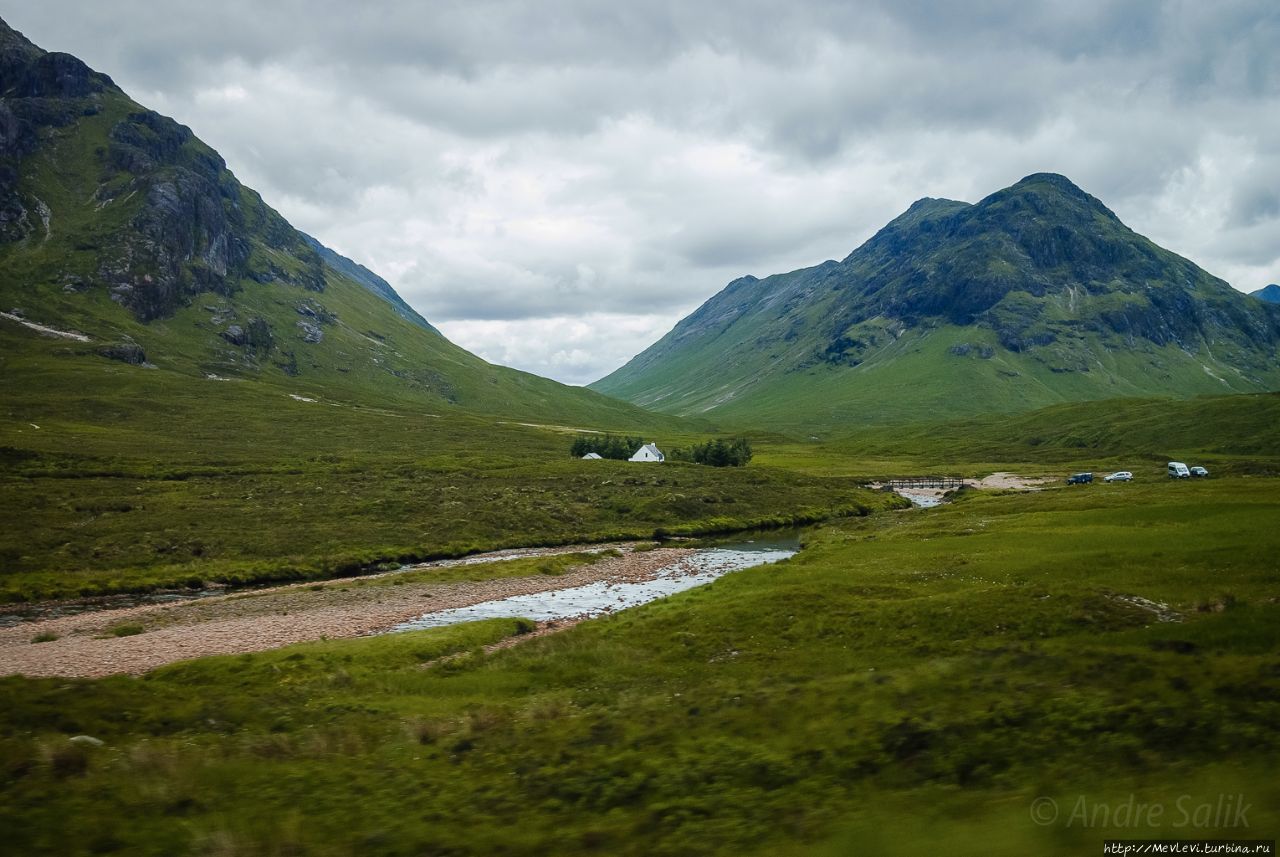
{"points": [[1036, 294], [371, 281]]}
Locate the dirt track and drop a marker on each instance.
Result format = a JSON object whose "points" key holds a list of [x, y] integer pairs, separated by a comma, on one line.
{"points": [[267, 619], [1010, 481]]}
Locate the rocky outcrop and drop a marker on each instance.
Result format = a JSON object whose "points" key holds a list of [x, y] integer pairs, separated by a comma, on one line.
{"points": [[38, 90], [254, 335], [309, 332], [196, 231], [126, 352]]}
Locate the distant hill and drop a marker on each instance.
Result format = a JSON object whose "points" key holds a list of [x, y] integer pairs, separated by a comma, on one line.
{"points": [[370, 280], [1270, 294], [1037, 294], [118, 223]]}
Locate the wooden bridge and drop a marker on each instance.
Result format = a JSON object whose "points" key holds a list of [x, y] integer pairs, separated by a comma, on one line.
{"points": [[925, 482]]}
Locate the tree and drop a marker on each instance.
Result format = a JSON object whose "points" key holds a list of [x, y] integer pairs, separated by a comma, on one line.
{"points": [[605, 446], [716, 453]]}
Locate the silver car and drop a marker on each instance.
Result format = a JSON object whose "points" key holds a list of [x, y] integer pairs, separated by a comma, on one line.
{"points": [[1119, 476]]}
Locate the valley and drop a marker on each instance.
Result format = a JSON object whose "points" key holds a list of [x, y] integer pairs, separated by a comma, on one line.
{"points": [[285, 571]]}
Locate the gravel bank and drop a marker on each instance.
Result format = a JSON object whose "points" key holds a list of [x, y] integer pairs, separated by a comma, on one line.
{"points": [[267, 619]]}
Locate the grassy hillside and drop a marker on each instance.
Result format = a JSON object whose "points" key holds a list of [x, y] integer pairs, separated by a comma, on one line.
{"points": [[1034, 296], [925, 374], [909, 679]]}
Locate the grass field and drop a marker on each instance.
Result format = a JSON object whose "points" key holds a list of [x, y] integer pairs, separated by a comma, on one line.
{"points": [[911, 681], [1229, 434], [118, 478]]}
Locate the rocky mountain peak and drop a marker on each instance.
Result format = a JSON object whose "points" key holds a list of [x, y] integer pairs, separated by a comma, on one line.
{"points": [[1041, 275]]}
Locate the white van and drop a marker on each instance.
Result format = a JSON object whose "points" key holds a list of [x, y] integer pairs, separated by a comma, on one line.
{"points": [[1178, 470]]}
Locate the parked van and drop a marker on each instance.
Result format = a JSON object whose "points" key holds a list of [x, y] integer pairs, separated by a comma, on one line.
{"points": [[1178, 470]]}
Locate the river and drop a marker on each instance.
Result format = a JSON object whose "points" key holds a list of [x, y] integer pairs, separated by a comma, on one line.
{"points": [[602, 597]]}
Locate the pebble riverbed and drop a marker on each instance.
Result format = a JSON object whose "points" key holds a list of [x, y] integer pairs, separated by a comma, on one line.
{"points": [[84, 645]]}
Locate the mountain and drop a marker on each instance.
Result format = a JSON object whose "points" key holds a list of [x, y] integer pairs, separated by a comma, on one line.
{"points": [[1036, 295], [1270, 294], [126, 238]]}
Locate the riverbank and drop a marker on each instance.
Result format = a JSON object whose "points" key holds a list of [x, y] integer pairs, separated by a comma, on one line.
{"points": [[140, 638]]}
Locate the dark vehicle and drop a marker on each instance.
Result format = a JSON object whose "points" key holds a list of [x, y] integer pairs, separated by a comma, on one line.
{"points": [[1198, 472], [1079, 478]]}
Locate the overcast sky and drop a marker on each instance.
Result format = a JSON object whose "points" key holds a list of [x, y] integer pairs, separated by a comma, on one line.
{"points": [[554, 184]]}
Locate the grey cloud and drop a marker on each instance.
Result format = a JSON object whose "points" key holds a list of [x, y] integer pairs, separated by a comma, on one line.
{"points": [[1256, 204], [503, 163]]}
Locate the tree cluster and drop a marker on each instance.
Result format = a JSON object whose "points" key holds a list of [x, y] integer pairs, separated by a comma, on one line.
{"points": [[717, 453], [606, 446]]}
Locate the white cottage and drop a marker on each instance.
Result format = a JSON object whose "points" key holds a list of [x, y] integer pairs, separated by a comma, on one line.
{"points": [[648, 452], [591, 456]]}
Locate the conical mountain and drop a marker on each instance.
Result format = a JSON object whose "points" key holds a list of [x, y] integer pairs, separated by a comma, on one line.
{"points": [[124, 233], [1269, 293], [1038, 294]]}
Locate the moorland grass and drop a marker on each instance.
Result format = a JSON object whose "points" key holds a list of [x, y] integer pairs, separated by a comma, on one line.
{"points": [[118, 478], [909, 680], [1229, 434]]}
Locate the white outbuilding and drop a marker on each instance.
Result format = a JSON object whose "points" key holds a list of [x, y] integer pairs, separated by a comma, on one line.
{"points": [[591, 456], [648, 452]]}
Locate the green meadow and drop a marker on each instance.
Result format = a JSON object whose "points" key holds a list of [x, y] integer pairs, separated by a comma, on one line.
{"points": [[120, 478], [911, 681]]}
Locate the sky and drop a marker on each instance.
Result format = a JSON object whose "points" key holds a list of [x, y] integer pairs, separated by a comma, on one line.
{"points": [[554, 184]]}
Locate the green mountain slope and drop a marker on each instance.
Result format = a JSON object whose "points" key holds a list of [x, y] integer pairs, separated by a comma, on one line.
{"points": [[1036, 295], [117, 223]]}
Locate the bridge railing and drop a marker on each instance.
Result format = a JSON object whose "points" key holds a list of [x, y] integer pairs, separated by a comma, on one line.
{"points": [[943, 482]]}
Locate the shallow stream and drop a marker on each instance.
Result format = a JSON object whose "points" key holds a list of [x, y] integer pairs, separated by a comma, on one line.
{"points": [[921, 499], [594, 599]]}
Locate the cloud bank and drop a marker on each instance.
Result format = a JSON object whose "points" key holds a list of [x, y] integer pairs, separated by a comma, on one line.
{"points": [[555, 184]]}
